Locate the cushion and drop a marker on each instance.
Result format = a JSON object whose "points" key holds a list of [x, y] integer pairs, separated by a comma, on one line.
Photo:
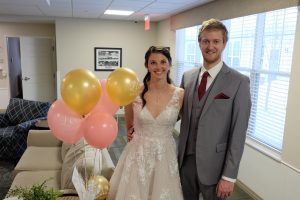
{"points": [[64, 149], [42, 138], [4, 120], [28, 178], [40, 158], [83, 156], [12, 142], [21, 110]]}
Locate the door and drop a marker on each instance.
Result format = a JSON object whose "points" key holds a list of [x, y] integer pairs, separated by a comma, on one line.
{"points": [[14, 67], [38, 68]]}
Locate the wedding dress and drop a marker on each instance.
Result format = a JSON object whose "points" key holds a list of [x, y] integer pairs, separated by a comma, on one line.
{"points": [[147, 168]]}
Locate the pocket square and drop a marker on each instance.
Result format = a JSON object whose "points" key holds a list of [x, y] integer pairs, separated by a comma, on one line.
{"points": [[221, 96]]}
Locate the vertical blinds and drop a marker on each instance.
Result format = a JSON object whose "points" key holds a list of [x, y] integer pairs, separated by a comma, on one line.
{"points": [[261, 47]]}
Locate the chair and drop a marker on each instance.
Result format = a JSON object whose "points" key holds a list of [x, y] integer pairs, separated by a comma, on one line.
{"points": [[20, 116]]}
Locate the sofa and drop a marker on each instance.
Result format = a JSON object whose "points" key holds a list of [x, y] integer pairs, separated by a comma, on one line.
{"points": [[47, 157], [19, 116]]}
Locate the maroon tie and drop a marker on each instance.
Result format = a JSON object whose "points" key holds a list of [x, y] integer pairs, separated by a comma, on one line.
{"points": [[202, 86]]}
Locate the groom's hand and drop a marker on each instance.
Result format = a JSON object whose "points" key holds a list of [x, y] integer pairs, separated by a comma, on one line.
{"points": [[224, 188]]}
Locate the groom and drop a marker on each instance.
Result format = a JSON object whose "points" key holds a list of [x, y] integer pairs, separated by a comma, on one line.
{"points": [[214, 120]]}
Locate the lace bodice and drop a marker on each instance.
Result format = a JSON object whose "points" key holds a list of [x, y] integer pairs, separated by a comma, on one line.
{"points": [[162, 125]]}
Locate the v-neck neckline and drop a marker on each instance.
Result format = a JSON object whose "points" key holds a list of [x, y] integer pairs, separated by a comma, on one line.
{"points": [[163, 110]]}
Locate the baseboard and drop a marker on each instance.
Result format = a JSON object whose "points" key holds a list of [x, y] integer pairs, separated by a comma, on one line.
{"points": [[250, 192]]}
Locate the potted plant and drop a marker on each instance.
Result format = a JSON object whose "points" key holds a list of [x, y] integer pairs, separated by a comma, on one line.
{"points": [[36, 192]]}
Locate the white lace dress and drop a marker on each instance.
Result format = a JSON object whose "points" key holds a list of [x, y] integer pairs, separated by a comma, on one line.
{"points": [[147, 168]]}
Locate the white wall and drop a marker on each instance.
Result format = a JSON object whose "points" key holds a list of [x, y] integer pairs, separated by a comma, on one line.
{"points": [[76, 39], [167, 38], [291, 147], [227, 9], [4, 94], [268, 178]]}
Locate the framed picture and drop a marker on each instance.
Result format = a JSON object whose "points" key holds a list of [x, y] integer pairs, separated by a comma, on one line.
{"points": [[107, 59]]}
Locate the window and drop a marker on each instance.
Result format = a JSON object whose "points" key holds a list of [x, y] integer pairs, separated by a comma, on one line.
{"points": [[188, 52], [261, 47]]}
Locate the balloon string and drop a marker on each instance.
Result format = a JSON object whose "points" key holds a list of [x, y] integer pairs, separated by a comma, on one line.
{"points": [[94, 170], [97, 162], [75, 160], [100, 161], [85, 169]]}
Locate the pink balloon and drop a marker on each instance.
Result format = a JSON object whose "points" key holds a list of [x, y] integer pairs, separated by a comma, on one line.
{"points": [[64, 122], [105, 105], [100, 129]]}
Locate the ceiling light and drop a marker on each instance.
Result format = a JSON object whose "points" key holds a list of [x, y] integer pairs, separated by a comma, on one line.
{"points": [[118, 12], [48, 2]]}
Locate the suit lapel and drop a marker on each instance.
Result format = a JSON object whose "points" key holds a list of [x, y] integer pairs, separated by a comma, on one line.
{"points": [[219, 84]]}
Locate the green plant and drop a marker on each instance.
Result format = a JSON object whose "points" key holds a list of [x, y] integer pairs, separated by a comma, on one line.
{"points": [[36, 192]]}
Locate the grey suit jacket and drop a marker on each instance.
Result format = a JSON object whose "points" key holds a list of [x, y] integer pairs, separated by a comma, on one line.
{"points": [[222, 125]]}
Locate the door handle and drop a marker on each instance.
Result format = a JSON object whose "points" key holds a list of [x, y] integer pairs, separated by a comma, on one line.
{"points": [[26, 78]]}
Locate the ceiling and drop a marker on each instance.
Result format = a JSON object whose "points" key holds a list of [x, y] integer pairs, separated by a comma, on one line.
{"points": [[40, 10]]}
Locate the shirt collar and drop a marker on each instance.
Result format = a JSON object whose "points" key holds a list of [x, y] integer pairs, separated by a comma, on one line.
{"points": [[213, 72]]}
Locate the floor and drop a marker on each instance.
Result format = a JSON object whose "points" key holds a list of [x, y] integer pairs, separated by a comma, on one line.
{"points": [[117, 147]]}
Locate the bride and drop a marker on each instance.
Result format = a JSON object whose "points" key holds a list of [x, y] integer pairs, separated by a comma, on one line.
{"points": [[147, 168]]}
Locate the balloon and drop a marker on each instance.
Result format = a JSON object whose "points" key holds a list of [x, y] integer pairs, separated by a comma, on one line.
{"points": [[100, 186], [122, 86], [81, 90], [64, 123], [105, 104], [100, 129]]}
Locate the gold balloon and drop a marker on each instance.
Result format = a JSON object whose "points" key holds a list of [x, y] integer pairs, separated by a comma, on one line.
{"points": [[80, 90], [100, 185], [122, 86]]}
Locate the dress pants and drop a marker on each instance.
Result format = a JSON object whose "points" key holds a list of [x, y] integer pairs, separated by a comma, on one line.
{"points": [[191, 185]]}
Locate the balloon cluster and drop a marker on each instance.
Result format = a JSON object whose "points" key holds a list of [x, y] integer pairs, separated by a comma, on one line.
{"points": [[88, 105]]}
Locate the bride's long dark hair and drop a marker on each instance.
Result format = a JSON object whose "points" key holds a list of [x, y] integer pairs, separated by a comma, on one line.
{"points": [[163, 50]]}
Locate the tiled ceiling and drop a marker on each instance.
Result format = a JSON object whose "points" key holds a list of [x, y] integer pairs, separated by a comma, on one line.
{"points": [[40, 10]]}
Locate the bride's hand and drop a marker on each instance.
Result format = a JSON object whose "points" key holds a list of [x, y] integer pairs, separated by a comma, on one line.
{"points": [[130, 132]]}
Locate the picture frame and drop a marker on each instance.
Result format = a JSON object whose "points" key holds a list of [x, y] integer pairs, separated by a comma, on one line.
{"points": [[107, 58]]}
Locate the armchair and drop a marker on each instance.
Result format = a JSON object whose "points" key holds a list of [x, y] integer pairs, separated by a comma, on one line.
{"points": [[20, 116]]}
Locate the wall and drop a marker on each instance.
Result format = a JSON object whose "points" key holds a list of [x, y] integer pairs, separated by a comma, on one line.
{"points": [[167, 38], [76, 39], [227, 9], [291, 147], [268, 178], [271, 179], [8, 29]]}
